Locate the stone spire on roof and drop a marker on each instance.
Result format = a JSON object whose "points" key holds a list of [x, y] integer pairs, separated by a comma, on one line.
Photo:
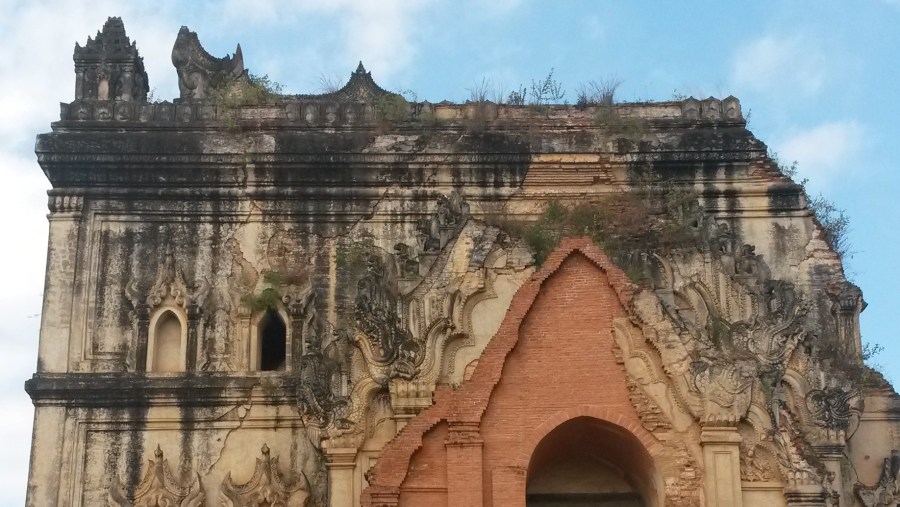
{"points": [[109, 66]]}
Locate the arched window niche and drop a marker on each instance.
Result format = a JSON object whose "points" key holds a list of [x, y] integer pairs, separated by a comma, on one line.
{"points": [[269, 341], [167, 343], [587, 461]]}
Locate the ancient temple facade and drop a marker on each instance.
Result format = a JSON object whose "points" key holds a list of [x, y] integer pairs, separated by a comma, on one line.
{"points": [[350, 299]]}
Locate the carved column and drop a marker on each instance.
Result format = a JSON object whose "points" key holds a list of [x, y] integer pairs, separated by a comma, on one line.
{"points": [[193, 315], [341, 463], [243, 343], [721, 456], [848, 305], [464, 467], [297, 346], [143, 332]]}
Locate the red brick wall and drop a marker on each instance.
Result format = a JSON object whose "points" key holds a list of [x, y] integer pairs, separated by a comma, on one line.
{"points": [[563, 359], [551, 360], [426, 480]]}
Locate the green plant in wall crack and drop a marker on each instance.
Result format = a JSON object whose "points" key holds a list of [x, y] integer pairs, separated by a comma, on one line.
{"points": [[266, 300], [250, 90], [628, 225], [269, 298], [392, 109]]}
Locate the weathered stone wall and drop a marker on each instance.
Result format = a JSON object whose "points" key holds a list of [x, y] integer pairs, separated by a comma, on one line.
{"points": [[393, 241]]}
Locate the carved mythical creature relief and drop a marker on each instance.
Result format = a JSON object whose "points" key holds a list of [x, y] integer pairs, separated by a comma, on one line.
{"points": [[771, 337], [757, 457], [198, 71], [158, 487], [757, 465], [831, 408], [385, 341], [446, 221], [792, 450], [321, 394], [267, 487], [724, 389]]}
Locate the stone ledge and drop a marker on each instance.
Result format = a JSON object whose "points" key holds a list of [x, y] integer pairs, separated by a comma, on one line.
{"points": [[144, 389], [307, 112]]}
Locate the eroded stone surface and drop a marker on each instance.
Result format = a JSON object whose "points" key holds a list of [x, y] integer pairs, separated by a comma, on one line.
{"points": [[395, 244]]}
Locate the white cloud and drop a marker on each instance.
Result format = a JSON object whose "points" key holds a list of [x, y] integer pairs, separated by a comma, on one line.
{"points": [[781, 66], [37, 56], [824, 151], [36, 74], [381, 33]]}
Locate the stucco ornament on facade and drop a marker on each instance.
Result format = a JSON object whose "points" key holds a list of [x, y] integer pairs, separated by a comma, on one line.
{"points": [[386, 258]]}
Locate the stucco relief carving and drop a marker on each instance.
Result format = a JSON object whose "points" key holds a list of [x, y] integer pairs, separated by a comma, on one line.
{"points": [[384, 340], [322, 392], [642, 364], [791, 452], [158, 488], [886, 492], [772, 335], [724, 389], [169, 285], [831, 407], [445, 223], [757, 455], [198, 71], [266, 487]]}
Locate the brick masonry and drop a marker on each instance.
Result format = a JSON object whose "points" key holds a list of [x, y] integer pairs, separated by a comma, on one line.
{"points": [[550, 362]]}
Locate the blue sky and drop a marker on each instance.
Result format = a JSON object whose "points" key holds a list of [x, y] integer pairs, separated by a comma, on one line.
{"points": [[818, 80]]}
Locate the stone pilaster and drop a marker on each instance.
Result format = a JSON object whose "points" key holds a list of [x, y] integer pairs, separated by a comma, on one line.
{"points": [[805, 495], [341, 463], [721, 456], [829, 447], [59, 289]]}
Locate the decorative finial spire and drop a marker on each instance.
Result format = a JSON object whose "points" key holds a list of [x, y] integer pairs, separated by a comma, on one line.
{"points": [[360, 69], [109, 67]]}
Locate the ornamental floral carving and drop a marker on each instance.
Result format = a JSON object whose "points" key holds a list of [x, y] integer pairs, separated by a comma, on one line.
{"points": [[831, 407], [169, 285], [158, 488], [267, 487], [386, 342]]}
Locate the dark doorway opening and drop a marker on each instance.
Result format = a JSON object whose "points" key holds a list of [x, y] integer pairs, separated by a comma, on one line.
{"points": [[273, 343], [587, 462]]}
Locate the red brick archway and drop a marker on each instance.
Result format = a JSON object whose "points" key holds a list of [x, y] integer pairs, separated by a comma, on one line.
{"points": [[587, 434], [552, 360]]}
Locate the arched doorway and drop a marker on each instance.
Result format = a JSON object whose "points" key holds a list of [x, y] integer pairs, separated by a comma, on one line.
{"points": [[589, 462]]}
